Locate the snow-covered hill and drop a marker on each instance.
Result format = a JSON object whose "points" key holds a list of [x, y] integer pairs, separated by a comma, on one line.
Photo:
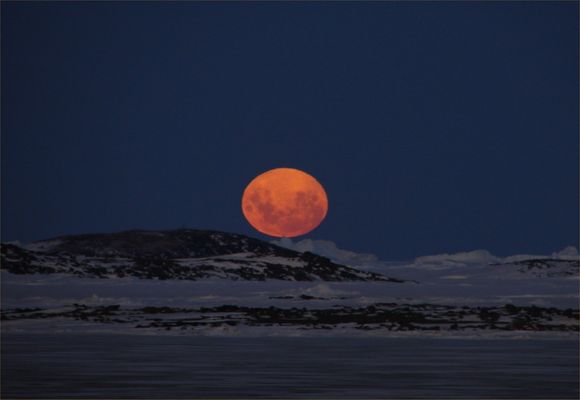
{"points": [[183, 254], [477, 263]]}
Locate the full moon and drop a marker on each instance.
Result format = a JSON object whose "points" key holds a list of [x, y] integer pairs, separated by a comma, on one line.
{"points": [[284, 202]]}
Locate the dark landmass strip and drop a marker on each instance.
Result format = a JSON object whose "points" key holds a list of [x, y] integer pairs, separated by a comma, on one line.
{"points": [[164, 254], [386, 316], [545, 267]]}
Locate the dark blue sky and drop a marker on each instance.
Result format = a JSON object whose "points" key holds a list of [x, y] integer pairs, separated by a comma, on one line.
{"points": [[434, 127]]}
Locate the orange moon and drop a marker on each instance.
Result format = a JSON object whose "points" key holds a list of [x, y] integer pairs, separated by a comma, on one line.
{"points": [[284, 202]]}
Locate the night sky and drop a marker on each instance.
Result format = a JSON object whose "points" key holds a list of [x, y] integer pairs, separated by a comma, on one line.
{"points": [[434, 127]]}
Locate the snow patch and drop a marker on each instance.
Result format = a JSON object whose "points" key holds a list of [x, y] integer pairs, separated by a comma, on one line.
{"points": [[459, 259], [46, 245], [568, 253], [328, 249]]}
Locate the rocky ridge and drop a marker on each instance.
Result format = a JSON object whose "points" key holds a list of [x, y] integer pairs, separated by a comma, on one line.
{"points": [[379, 317], [183, 254]]}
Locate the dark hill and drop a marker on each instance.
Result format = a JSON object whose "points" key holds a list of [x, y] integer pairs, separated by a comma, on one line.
{"points": [[175, 254]]}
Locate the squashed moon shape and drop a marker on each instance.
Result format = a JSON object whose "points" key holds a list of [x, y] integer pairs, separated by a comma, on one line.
{"points": [[284, 202]]}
